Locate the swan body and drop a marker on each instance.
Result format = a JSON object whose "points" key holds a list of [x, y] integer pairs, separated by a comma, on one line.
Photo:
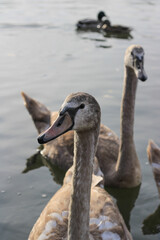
{"points": [[80, 209], [153, 152]]}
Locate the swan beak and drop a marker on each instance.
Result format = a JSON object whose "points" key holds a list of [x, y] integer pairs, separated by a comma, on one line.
{"points": [[61, 125]]}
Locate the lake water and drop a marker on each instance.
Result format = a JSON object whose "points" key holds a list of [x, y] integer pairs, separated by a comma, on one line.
{"points": [[42, 54]]}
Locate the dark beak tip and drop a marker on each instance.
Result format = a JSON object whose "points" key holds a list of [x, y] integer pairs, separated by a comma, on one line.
{"points": [[40, 139], [143, 79]]}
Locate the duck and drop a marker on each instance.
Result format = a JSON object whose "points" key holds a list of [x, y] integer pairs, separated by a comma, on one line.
{"points": [[93, 24], [117, 159], [153, 153], [103, 25], [80, 209], [108, 28]]}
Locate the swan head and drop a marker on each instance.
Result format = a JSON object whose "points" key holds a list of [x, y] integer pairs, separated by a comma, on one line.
{"points": [[134, 58], [79, 112]]}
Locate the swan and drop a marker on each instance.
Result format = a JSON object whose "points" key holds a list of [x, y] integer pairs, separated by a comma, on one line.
{"points": [[80, 209], [117, 158], [153, 152], [125, 171]]}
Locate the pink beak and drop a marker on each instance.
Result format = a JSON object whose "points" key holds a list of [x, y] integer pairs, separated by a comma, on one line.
{"points": [[61, 125]]}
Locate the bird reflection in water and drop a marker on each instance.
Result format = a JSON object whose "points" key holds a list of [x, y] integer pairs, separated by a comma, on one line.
{"points": [[151, 224], [125, 204], [37, 160]]}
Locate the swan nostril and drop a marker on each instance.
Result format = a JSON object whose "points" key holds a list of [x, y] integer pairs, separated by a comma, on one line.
{"points": [[60, 121]]}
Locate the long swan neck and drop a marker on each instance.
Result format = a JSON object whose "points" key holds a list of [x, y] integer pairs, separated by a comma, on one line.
{"points": [[127, 148], [128, 104], [84, 152]]}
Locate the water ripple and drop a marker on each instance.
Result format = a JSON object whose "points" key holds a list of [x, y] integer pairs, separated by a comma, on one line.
{"points": [[30, 25]]}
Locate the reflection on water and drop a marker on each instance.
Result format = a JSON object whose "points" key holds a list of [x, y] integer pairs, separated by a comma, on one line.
{"points": [[21, 26], [111, 34], [125, 199], [94, 39], [104, 46], [151, 225], [37, 161], [120, 35], [97, 40]]}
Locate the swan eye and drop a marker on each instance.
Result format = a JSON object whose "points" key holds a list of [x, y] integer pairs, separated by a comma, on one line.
{"points": [[82, 106]]}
